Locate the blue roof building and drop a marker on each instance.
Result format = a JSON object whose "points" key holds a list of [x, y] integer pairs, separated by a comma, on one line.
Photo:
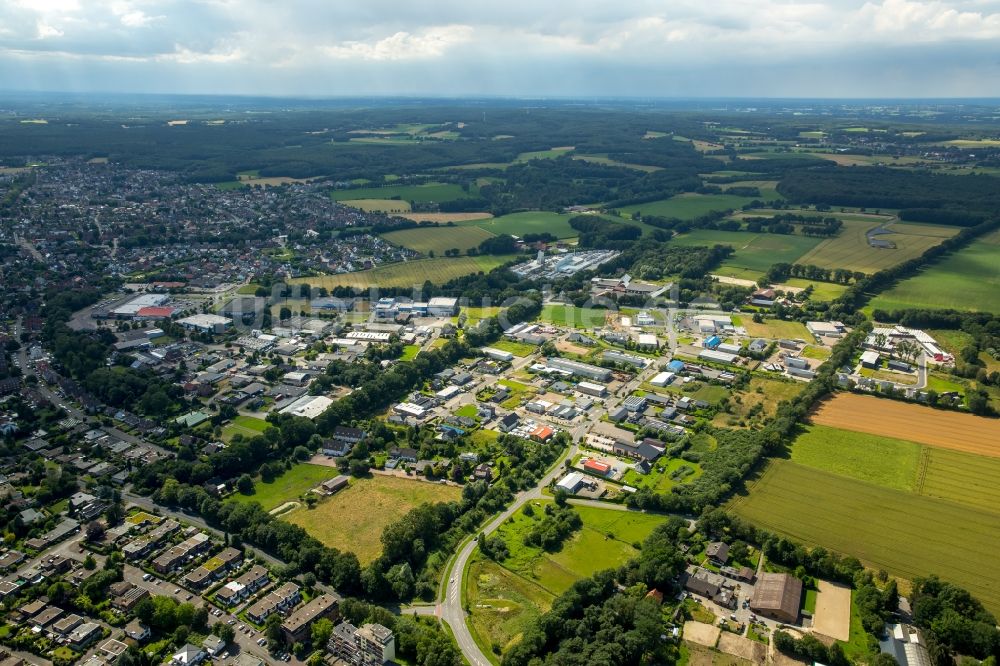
{"points": [[712, 342], [675, 366]]}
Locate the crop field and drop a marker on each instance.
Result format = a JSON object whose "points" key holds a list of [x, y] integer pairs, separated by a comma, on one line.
{"points": [[961, 477], [439, 239], [850, 249], [288, 487], [891, 463], [446, 217], [909, 535], [754, 251], [531, 222], [911, 422], [378, 500], [768, 188], [408, 273], [966, 280], [689, 206], [379, 205], [505, 598], [568, 315], [426, 193]]}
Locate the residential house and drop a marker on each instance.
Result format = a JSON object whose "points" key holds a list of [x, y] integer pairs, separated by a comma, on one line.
{"points": [[278, 601], [189, 655], [296, 626], [371, 645]]}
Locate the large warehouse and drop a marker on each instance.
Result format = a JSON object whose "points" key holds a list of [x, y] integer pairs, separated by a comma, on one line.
{"points": [[777, 596]]}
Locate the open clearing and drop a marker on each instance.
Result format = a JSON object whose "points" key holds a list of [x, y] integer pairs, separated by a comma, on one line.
{"points": [[607, 161], [446, 217], [408, 273], [530, 222], [439, 239], [568, 315], [688, 206], [742, 647], [907, 534], [379, 205], [915, 423], [777, 329], [289, 486], [833, 611], [968, 279], [762, 391], [354, 518], [248, 426], [850, 249]]}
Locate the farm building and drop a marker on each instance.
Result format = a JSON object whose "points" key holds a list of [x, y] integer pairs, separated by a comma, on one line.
{"points": [[777, 596], [331, 486], [870, 359]]}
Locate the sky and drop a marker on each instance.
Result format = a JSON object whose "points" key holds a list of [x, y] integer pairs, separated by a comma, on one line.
{"points": [[546, 48]]}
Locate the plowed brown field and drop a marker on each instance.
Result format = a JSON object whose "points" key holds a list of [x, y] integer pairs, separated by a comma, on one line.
{"points": [[915, 423]]}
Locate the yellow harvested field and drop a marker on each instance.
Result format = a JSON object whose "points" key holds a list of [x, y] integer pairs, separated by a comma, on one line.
{"points": [[446, 217], [850, 249], [379, 205], [915, 423]]}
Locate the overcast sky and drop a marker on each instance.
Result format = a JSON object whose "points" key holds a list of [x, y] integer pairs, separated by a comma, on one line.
{"points": [[666, 48]]}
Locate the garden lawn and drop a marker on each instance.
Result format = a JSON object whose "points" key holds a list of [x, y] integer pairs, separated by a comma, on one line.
{"points": [[288, 487]]}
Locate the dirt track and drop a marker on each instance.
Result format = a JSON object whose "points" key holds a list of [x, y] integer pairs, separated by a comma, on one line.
{"points": [[833, 611], [915, 423]]}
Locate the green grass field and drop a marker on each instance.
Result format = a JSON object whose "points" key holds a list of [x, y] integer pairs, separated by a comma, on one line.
{"points": [[688, 206], [543, 154], [408, 273], [567, 315], [426, 193], [607, 161], [287, 487], [908, 535], [768, 188], [776, 329], [658, 480], [530, 222], [514, 347], [966, 280], [506, 598], [354, 518], [886, 462], [439, 239], [248, 426], [822, 291], [961, 477], [754, 251], [410, 352], [850, 248]]}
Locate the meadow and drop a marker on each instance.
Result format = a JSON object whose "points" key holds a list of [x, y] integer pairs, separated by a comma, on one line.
{"points": [[380, 500], [850, 249], [248, 426], [530, 222], [568, 315], [688, 206], [408, 273], [506, 598], [906, 534], [762, 391], [968, 279], [607, 161], [754, 251], [776, 329], [659, 478], [426, 193], [439, 239], [891, 463], [516, 348], [288, 487], [822, 291]]}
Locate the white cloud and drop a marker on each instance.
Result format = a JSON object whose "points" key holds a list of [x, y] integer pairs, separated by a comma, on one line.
{"points": [[45, 31], [430, 43]]}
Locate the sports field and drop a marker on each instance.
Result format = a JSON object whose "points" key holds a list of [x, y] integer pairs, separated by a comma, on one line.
{"points": [[354, 518], [439, 239], [890, 418], [688, 206], [247, 426], [907, 534], [850, 249], [288, 487], [506, 598], [530, 222], [408, 273], [426, 193], [966, 280], [754, 251]]}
